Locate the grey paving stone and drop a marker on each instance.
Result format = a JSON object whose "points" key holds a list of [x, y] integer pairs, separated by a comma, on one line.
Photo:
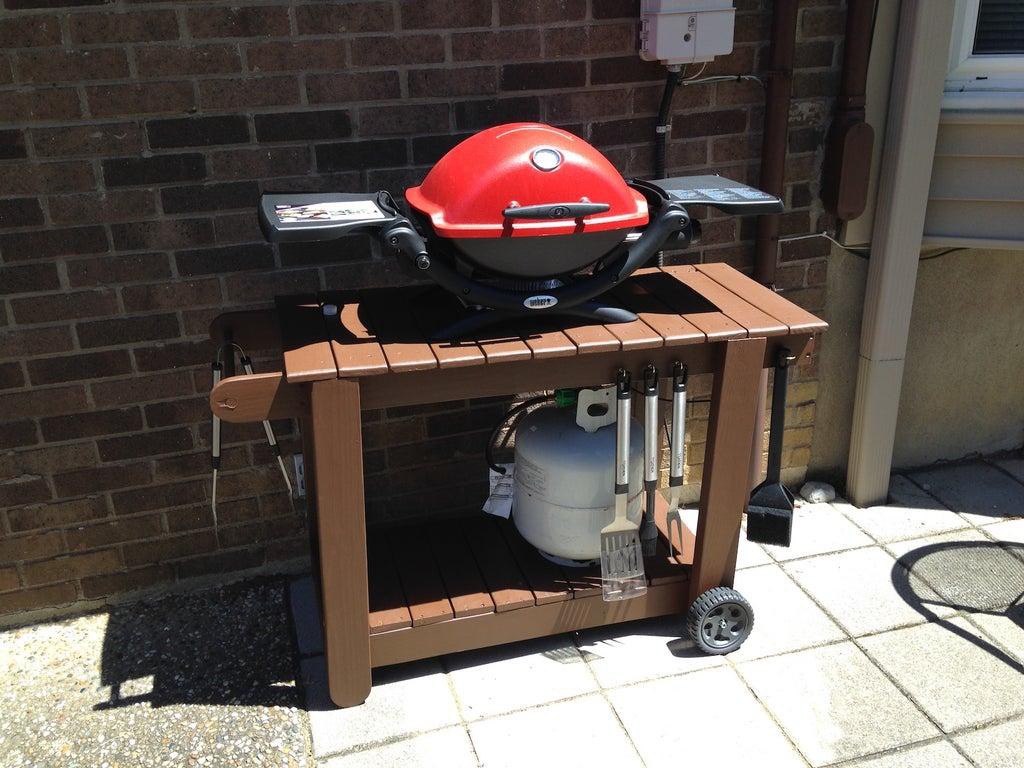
{"points": [[835, 704], [405, 700], [1007, 629], [950, 672], [1008, 530], [642, 650], [905, 493], [866, 590], [707, 718], [938, 754], [998, 746], [309, 637], [1014, 465], [579, 733], [978, 491], [909, 550], [519, 675], [817, 529], [785, 619], [449, 747], [965, 569], [897, 521]]}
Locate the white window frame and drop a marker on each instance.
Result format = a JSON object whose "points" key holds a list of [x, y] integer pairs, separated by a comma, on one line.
{"points": [[997, 72]]}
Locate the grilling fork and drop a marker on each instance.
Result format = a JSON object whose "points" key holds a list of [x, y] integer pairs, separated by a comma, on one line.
{"points": [[215, 440]]}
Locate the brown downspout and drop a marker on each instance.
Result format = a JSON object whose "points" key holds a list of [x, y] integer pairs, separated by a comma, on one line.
{"points": [[847, 167], [847, 158], [773, 172], [776, 129]]}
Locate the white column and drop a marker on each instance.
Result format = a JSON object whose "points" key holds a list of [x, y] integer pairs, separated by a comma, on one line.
{"points": [[919, 73]]}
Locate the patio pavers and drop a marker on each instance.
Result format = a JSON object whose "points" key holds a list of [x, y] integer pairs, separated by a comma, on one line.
{"points": [[835, 704], [448, 747], [579, 733], [1005, 629], [966, 569], [909, 550], [496, 680], [1011, 531], [903, 492], [705, 718], [859, 588], [785, 618], [642, 650], [898, 521], [977, 490], [938, 754], [406, 699], [951, 672], [998, 746], [1013, 465], [818, 529]]}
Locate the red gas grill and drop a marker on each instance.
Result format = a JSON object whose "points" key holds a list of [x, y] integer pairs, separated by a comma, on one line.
{"points": [[520, 220]]}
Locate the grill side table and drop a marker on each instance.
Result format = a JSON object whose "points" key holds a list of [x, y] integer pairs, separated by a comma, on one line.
{"points": [[404, 594]]}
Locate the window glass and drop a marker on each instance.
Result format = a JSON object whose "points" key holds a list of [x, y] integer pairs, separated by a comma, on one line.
{"points": [[1000, 27]]}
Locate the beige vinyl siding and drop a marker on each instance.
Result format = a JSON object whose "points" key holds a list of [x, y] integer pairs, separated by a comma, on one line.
{"points": [[976, 197]]}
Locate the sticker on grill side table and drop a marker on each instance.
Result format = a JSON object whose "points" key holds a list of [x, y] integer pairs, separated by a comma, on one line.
{"points": [[351, 210], [539, 302], [720, 195]]}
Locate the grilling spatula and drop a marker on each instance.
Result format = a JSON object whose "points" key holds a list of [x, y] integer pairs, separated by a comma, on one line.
{"points": [[622, 562]]}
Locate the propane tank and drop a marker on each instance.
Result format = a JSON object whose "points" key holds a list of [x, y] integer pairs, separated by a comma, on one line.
{"points": [[564, 486]]}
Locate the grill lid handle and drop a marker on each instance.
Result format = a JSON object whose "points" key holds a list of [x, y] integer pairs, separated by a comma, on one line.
{"points": [[555, 210]]}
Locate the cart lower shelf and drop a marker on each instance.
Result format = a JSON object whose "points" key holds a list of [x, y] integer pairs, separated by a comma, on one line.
{"points": [[455, 585]]}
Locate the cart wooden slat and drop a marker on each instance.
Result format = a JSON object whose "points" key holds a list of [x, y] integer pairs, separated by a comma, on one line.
{"points": [[388, 607], [448, 586]]}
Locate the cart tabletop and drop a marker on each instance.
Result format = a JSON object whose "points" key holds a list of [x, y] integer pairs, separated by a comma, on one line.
{"points": [[387, 331]]}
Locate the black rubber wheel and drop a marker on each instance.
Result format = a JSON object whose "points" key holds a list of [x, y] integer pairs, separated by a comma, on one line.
{"points": [[720, 620]]}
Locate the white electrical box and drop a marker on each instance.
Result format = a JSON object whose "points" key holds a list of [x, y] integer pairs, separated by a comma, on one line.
{"points": [[685, 31]]}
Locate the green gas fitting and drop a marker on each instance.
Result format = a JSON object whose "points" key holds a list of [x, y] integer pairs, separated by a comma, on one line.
{"points": [[564, 398]]}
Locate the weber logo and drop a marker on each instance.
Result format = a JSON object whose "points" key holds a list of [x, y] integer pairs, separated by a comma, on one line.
{"points": [[540, 302]]}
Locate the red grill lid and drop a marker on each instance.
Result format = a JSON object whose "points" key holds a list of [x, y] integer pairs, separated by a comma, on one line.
{"points": [[524, 164]]}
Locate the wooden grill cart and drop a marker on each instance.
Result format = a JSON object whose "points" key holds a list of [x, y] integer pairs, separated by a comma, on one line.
{"points": [[398, 595]]}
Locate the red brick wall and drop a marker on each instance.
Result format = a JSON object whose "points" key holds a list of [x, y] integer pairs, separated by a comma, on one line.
{"points": [[135, 139]]}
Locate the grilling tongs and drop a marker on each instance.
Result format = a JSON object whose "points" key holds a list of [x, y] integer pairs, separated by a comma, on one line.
{"points": [[677, 455], [218, 371]]}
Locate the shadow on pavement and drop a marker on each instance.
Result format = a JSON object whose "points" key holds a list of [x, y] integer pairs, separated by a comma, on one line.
{"points": [[229, 645], [977, 577]]}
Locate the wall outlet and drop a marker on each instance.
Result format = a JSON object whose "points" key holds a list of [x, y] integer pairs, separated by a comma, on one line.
{"points": [[300, 475]]}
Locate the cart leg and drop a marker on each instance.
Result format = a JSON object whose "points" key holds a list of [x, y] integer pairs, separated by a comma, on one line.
{"points": [[341, 524], [724, 490]]}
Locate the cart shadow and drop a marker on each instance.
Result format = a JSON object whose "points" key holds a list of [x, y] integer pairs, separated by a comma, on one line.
{"points": [[225, 646], [974, 577], [671, 629]]}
